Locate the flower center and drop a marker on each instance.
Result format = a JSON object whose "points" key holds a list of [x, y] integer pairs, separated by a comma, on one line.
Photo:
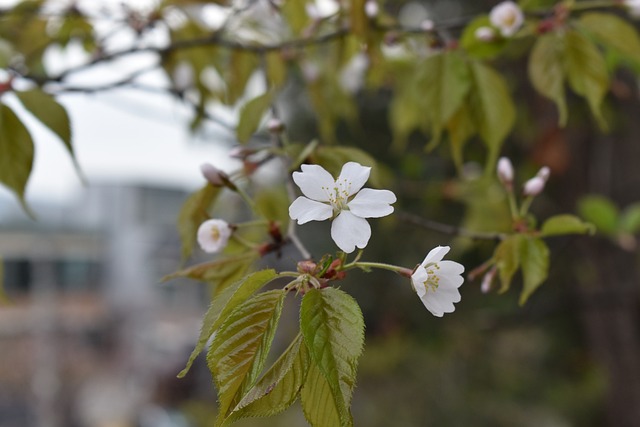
{"points": [[433, 281], [339, 195], [509, 19], [215, 233]]}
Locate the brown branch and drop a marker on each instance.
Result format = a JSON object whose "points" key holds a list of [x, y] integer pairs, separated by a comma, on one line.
{"points": [[447, 228]]}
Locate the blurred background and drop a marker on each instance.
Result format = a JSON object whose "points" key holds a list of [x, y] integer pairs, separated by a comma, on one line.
{"points": [[89, 336]]}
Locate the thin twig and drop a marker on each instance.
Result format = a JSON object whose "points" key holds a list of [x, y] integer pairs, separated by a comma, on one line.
{"points": [[447, 228]]}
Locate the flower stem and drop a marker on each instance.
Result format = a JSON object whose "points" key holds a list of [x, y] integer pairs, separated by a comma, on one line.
{"points": [[366, 265], [255, 223], [525, 206], [513, 207]]}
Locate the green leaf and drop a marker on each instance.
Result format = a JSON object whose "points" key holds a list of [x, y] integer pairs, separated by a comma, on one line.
{"points": [[6, 53], [318, 404], [16, 154], [250, 115], [492, 109], [333, 330], [478, 48], [192, 214], [630, 219], [587, 72], [460, 128], [507, 259], [613, 32], [546, 70], [222, 307], [601, 212], [50, 113], [278, 388], [444, 83], [534, 258], [240, 347], [565, 224]]}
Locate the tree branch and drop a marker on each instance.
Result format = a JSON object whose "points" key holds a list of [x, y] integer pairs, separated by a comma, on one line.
{"points": [[447, 228]]}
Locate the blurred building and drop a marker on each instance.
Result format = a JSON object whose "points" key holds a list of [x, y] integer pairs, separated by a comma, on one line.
{"points": [[88, 331]]}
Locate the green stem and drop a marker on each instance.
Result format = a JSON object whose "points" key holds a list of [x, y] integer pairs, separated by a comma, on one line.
{"points": [[255, 223], [513, 207], [243, 242], [365, 265], [526, 204]]}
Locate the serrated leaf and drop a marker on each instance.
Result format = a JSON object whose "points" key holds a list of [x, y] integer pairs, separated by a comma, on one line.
{"points": [[507, 259], [565, 224], [586, 72], [16, 154], [223, 305], [534, 259], [613, 32], [240, 347], [278, 388], [547, 73], [333, 329], [192, 214], [491, 108], [630, 219], [601, 212], [318, 403], [250, 115], [50, 113]]}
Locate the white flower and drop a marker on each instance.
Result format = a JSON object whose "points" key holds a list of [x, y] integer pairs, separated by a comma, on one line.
{"points": [[213, 235], [634, 7], [436, 282], [507, 17], [342, 199], [485, 34]]}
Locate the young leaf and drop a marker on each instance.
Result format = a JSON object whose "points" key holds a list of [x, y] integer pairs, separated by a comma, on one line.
{"points": [[333, 330], [491, 107], [194, 213], [16, 154], [240, 347], [546, 70], [613, 32], [534, 258], [479, 48], [630, 219], [222, 307], [587, 72], [50, 113], [601, 212], [507, 258], [460, 128], [318, 403], [444, 82], [565, 224], [278, 388], [251, 114]]}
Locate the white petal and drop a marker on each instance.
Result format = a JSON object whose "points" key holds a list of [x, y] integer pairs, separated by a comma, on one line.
{"points": [[305, 210], [349, 231], [433, 307], [446, 292], [370, 203], [418, 278], [454, 281], [315, 182], [450, 268], [436, 254], [352, 177]]}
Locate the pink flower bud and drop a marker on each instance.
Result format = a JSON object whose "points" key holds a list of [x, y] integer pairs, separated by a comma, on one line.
{"points": [[544, 173], [485, 34], [533, 187], [487, 280], [505, 171], [214, 175], [371, 8]]}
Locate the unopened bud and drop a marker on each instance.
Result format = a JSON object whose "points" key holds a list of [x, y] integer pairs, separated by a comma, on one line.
{"points": [[427, 25], [485, 34], [544, 173], [505, 171], [533, 187], [371, 8], [275, 126], [214, 175], [487, 280]]}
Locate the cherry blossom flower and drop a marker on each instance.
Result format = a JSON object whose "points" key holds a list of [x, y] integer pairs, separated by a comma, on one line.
{"points": [[343, 199], [213, 235], [436, 282], [506, 17], [485, 34]]}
